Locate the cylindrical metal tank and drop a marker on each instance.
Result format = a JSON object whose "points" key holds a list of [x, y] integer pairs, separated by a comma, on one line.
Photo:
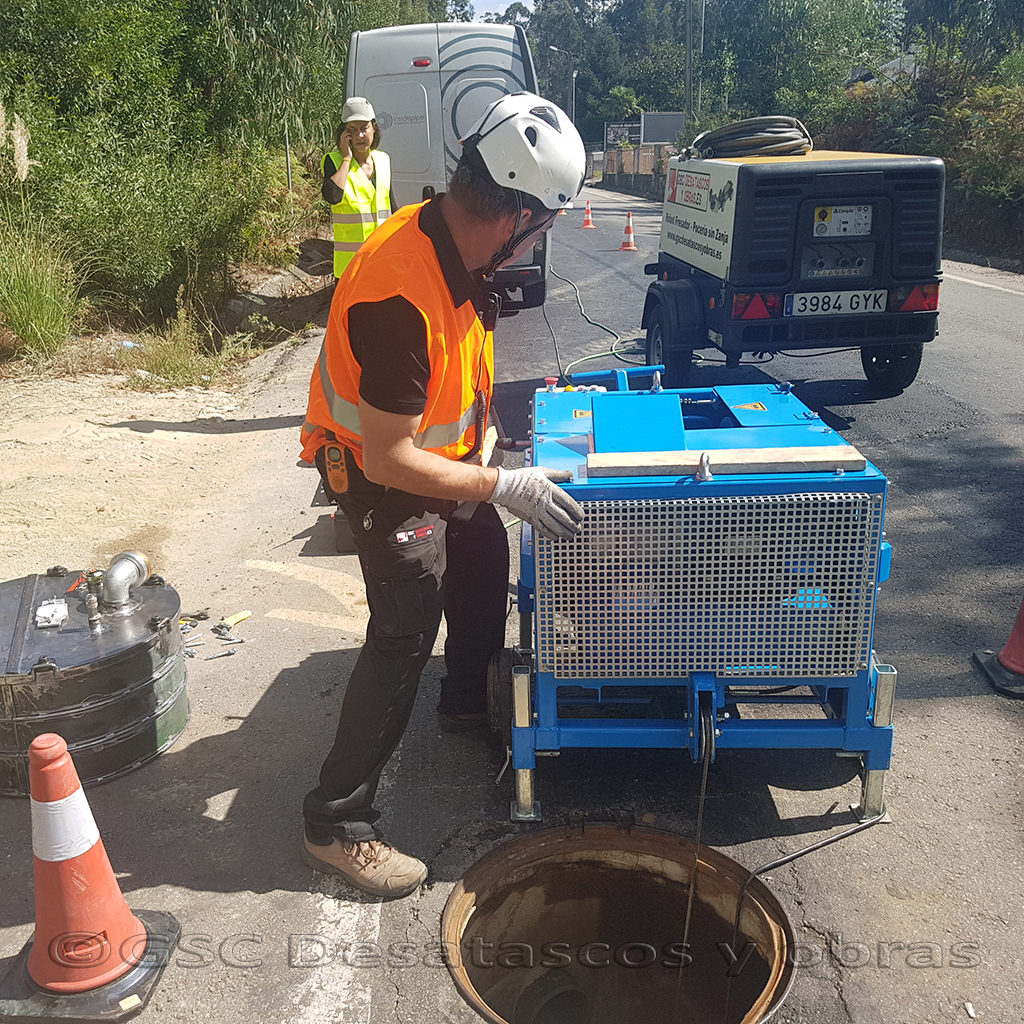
{"points": [[96, 657]]}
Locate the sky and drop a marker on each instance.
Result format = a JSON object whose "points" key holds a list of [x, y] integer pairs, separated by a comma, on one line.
{"points": [[482, 7]]}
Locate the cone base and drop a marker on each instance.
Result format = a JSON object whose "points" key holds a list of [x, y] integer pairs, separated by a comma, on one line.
{"points": [[21, 999], [1003, 680]]}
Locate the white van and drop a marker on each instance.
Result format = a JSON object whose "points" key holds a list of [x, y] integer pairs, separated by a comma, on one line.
{"points": [[429, 84]]}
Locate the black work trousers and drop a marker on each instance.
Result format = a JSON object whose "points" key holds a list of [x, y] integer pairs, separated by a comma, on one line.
{"points": [[420, 557]]}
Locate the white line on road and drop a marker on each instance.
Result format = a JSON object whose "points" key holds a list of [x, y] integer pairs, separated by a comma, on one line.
{"points": [[982, 284], [334, 992]]}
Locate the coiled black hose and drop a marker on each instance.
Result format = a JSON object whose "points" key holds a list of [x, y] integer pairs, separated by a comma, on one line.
{"points": [[755, 136]]}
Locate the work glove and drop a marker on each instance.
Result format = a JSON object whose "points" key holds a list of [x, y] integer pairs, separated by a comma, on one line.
{"points": [[531, 494]]}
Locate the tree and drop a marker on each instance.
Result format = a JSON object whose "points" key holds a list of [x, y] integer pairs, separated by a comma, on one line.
{"points": [[515, 14], [459, 10], [620, 104]]}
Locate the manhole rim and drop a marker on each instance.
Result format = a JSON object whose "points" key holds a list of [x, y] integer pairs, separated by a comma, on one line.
{"points": [[543, 845]]}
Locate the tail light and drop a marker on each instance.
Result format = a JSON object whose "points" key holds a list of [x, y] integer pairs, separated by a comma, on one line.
{"points": [[756, 305], [916, 298]]}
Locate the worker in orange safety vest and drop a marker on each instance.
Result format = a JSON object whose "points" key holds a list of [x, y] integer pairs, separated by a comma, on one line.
{"points": [[399, 403]]}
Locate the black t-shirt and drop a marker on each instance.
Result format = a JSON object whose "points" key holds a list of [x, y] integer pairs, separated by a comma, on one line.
{"points": [[389, 338]]}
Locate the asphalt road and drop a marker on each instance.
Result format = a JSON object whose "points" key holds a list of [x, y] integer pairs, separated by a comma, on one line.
{"points": [[908, 922]]}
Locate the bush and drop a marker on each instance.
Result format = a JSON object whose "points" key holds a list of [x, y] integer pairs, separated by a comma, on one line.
{"points": [[39, 285], [162, 222]]}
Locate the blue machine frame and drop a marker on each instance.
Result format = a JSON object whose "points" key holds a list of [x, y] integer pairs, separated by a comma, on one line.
{"points": [[721, 594]]}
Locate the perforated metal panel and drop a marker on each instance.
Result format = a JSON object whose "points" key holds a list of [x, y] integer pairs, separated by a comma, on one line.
{"points": [[751, 586]]}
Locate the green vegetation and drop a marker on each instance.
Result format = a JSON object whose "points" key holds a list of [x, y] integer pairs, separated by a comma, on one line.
{"points": [[147, 160], [147, 141], [959, 95], [39, 286]]}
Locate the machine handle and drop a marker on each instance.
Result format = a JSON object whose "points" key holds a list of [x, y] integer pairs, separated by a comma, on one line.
{"points": [[613, 377]]}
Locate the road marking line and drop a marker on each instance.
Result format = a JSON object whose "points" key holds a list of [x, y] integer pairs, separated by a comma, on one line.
{"points": [[331, 994], [345, 588], [983, 284]]}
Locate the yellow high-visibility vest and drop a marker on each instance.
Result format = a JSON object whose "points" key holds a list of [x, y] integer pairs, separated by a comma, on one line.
{"points": [[364, 208]]}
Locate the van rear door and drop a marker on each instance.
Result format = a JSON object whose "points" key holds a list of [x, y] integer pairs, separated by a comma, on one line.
{"points": [[429, 84], [396, 69], [478, 65]]}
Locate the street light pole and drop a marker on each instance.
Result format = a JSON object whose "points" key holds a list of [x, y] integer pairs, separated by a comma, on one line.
{"points": [[573, 74]]}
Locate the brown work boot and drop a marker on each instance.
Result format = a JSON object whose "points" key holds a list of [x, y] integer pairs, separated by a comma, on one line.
{"points": [[372, 866]]}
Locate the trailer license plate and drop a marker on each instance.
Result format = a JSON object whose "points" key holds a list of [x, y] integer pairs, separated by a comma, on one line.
{"points": [[821, 303]]}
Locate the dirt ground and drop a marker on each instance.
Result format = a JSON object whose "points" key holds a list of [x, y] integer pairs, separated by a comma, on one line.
{"points": [[80, 456]]}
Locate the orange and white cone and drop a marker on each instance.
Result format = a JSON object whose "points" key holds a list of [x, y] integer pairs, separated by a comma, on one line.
{"points": [[627, 238], [1005, 670], [588, 220], [561, 212], [89, 951]]}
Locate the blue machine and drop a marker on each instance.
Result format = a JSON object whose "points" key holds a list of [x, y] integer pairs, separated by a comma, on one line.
{"points": [[720, 595]]}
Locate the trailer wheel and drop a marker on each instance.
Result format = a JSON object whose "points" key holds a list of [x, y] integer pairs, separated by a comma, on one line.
{"points": [[499, 696], [678, 365], [891, 368]]}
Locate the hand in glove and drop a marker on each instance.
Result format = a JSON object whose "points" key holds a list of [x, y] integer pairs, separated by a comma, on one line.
{"points": [[531, 494]]}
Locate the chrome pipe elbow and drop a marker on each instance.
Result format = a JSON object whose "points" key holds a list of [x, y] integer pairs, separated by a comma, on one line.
{"points": [[126, 570]]}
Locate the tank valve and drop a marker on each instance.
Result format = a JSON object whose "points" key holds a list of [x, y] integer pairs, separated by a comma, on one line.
{"points": [[92, 605]]}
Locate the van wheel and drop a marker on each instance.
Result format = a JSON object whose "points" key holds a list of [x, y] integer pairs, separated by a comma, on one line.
{"points": [[534, 294], [678, 365], [891, 368]]}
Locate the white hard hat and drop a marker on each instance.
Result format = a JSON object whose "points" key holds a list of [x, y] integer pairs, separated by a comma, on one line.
{"points": [[529, 144], [357, 108]]}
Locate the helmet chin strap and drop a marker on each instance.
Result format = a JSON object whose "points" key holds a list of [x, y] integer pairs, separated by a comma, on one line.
{"points": [[506, 251]]}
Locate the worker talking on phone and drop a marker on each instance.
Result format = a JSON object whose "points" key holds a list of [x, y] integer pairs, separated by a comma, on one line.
{"points": [[357, 181]]}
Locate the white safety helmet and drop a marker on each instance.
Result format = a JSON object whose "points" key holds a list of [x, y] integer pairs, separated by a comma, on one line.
{"points": [[529, 144]]}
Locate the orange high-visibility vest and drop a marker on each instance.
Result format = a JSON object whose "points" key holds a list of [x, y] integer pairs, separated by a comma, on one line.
{"points": [[399, 259]]}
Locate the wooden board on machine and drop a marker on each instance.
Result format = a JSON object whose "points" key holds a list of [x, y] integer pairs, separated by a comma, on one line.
{"points": [[810, 459]]}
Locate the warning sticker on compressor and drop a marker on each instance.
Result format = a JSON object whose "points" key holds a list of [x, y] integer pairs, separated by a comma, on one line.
{"points": [[832, 221]]}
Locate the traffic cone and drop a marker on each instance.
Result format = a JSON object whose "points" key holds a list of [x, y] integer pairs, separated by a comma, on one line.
{"points": [[561, 212], [1005, 670], [588, 220], [91, 958], [627, 238]]}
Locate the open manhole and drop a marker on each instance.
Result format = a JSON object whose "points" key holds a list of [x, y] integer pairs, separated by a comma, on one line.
{"points": [[585, 926]]}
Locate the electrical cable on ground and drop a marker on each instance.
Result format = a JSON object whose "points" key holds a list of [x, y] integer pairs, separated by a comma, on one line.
{"points": [[600, 355]]}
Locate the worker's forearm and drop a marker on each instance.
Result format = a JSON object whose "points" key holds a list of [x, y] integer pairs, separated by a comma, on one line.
{"points": [[419, 472], [340, 176]]}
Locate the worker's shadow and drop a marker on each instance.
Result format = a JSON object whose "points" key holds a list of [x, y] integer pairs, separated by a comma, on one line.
{"points": [[220, 811]]}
